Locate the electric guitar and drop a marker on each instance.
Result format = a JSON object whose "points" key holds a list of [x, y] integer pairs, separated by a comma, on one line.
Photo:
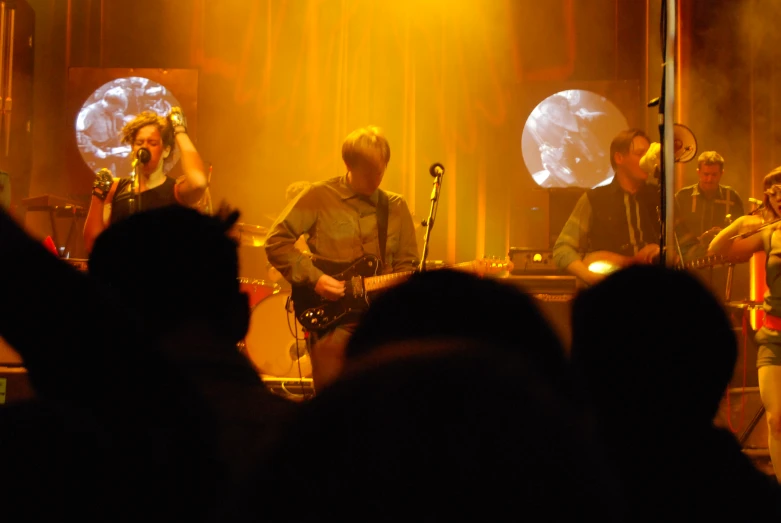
{"points": [[362, 277], [606, 262]]}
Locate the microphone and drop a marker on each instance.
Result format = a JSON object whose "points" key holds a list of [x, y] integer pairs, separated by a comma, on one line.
{"points": [[143, 155], [759, 203], [436, 170]]}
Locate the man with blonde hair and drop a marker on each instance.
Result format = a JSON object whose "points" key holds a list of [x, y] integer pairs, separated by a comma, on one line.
{"points": [[708, 206], [346, 218]]}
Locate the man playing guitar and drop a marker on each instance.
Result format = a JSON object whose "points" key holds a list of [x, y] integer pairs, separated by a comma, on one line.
{"points": [[619, 220], [345, 218]]}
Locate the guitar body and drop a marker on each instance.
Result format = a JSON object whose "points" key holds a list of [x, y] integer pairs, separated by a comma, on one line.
{"points": [[315, 313], [361, 277], [606, 262]]}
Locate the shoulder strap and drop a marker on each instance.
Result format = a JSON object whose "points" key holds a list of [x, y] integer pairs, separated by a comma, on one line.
{"points": [[382, 222]]}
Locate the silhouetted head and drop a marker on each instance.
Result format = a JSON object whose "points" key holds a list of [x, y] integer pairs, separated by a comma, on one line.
{"points": [[175, 266], [448, 304], [462, 431], [653, 343]]}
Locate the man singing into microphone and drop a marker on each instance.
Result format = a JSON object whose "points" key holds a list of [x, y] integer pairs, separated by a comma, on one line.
{"points": [[153, 139]]}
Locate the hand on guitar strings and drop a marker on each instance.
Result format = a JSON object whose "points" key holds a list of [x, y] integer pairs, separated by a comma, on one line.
{"points": [[648, 254], [707, 237], [329, 288]]}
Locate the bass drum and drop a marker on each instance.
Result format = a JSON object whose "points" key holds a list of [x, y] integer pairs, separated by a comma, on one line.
{"points": [[271, 343], [257, 290]]}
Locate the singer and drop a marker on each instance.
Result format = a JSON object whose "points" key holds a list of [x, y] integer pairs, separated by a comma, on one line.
{"points": [[706, 204], [153, 139], [345, 218]]}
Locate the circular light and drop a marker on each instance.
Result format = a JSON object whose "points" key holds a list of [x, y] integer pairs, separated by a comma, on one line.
{"points": [[566, 139], [602, 267], [102, 116]]}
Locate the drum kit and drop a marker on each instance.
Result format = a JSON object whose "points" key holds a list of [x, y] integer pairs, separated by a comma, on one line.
{"points": [[275, 341]]}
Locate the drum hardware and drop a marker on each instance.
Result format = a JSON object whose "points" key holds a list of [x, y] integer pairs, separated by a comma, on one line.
{"points": [[275, 346], [249, 235], [257, 290], [298, 389]]}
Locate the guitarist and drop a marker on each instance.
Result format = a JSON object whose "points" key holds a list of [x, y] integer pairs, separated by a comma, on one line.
{"points": [[342, 218], [620, 219]]}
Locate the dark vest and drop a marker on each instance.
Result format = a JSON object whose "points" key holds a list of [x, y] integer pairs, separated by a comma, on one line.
{"points": [[161, 196], [608, 229]]}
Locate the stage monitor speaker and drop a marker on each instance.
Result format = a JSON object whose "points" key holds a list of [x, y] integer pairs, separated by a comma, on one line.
{"points": [[14, 385]]}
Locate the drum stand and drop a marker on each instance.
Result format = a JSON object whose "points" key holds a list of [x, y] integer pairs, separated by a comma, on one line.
{"points": [[747, 307]]}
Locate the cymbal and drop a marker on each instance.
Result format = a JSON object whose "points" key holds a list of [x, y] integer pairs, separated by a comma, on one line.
{"points": [[249, 235]]}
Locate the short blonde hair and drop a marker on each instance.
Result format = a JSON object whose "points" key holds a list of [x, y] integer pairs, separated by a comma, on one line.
{"points": [[710, 158], [359, 143]]}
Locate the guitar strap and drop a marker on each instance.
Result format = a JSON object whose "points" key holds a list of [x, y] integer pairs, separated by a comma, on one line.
{"points": [[382, 222]]}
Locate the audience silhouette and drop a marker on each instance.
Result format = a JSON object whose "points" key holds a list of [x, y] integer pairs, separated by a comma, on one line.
{"points": [[179, 269], [457, 400], [656, 351], [114, 429], [450, 431], [448, 304]]}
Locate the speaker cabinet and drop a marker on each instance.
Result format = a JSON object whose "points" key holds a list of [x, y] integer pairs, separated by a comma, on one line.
{"points": [[14, 385]]}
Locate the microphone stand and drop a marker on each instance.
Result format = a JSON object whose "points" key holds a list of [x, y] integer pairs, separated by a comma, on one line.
{"points": [[431, 215], [666, 180], [132, 201]]}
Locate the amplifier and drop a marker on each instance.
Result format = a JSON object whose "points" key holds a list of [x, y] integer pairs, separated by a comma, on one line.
{"points": [[529, 261], [553, 294], [550, 283], [14, 385]]}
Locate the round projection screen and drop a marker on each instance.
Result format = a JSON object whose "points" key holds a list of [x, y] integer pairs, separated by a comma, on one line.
{"points": [[566, 139], [107, 110]]}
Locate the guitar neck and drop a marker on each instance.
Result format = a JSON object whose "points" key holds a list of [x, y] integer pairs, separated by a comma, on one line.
{"points": [[707, 261], [384, 281]]}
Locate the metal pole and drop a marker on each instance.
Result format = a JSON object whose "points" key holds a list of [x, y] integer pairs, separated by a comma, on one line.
{"points": [[668, 149]]}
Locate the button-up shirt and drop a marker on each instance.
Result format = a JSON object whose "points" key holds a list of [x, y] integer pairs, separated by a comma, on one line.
{"points": [[341, 226], [703, 212]]}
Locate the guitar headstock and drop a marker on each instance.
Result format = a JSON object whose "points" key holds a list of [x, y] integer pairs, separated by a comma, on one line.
{"points": [[492, 265]]}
